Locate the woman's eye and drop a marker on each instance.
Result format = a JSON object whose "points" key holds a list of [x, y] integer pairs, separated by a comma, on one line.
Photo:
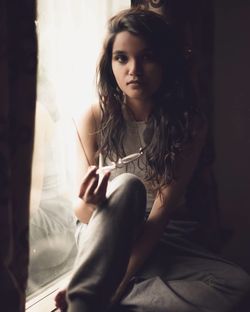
{"points": [[121, 58]]}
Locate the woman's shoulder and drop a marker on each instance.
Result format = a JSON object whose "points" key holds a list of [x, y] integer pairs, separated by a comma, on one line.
{"points": [[90, 118]]}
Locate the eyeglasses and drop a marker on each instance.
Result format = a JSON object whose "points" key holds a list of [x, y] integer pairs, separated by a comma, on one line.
{"points": [[122, 162]]}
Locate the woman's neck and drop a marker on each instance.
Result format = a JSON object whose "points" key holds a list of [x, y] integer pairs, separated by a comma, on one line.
{"points": [[139, 109]]}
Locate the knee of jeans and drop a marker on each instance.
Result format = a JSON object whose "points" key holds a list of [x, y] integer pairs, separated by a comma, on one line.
{"points": [[130, 187], [130, 179], [131, 183], [126, 180]]}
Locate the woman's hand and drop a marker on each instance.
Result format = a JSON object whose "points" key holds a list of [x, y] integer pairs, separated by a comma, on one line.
{"points": [[93, 188], [92, 194]]}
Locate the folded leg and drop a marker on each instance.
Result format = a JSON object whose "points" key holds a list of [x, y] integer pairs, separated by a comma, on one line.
{"points": [[105, 247]]}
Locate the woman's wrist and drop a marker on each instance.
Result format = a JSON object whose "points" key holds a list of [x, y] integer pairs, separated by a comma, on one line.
{"points": [[83, 210]]}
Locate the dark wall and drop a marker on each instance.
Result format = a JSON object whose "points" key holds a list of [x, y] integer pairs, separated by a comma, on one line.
{"points": [[232, 123]]}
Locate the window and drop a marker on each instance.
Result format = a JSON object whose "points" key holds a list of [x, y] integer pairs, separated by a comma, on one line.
{"points": [[69, 37]]}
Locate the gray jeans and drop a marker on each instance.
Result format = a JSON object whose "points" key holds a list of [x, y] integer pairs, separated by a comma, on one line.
{"points": [[180, 276]]}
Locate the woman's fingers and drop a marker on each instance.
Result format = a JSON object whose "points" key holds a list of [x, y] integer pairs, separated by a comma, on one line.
{"points": [[86, 180], [92, 192], [102, 187]]}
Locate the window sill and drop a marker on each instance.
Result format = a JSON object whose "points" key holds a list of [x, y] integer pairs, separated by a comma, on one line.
{"points": [[45, 300]]}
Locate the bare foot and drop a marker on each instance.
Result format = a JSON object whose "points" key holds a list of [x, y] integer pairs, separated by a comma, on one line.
{"points": [[60, 300]]}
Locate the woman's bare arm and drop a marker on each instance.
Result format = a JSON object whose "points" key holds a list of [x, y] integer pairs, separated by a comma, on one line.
{"points": [[86, 148]]}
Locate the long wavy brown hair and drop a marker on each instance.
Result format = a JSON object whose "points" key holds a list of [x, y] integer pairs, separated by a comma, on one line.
{"points": [[170, 124]]}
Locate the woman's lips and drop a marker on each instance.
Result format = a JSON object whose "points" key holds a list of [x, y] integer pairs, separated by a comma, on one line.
{"points": [[134, 82]]}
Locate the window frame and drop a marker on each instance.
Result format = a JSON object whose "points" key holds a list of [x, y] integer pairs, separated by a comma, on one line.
{"points": [[45, 300]]}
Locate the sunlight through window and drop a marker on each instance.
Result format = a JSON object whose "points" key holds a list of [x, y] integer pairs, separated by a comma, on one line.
{"points": [[69, 38]]}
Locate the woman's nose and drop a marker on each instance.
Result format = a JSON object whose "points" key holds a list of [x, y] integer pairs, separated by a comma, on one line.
{"points": [[135, 68]]}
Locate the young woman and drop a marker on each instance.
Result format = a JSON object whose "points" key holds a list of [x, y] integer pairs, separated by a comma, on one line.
{"points": [[137, 250]]}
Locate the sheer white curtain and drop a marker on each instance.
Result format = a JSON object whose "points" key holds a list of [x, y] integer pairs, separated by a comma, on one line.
{"points": [[70, 38], [70, 35]]}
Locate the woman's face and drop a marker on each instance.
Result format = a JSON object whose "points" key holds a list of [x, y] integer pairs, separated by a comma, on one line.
{"points": [[134, 66]]}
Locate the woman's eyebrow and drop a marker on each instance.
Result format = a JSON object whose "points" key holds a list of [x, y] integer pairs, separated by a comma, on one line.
{"points": [[119, 52], [146, 50]]}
